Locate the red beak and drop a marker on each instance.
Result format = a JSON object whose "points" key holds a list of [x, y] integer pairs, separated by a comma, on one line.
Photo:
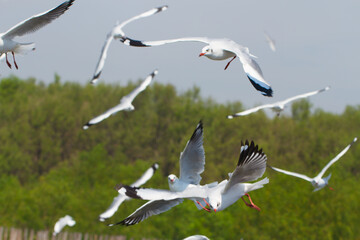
{"points": [[215, 210], [201, 54]]}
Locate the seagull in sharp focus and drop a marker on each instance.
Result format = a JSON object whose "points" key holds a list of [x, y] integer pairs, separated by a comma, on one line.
{"points": [[7, 44], [125, 102], [318, 182], [277, 107], [219, 49], [250, 167], [270, 41], [116, 33], [121, 198], [62, 222]]}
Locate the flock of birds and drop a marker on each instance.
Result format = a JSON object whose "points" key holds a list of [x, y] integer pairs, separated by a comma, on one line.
{"points": [[215, 196]]}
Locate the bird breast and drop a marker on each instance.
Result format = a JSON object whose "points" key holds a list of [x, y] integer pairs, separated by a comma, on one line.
{"points": [[220, 54]]}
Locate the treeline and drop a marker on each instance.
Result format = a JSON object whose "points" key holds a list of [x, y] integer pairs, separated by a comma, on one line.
{"points": [[50, 166]]}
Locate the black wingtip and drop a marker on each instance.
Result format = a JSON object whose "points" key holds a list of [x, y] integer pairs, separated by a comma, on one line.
{"points": [[132, 42], [95, 78], [162, 8], [154, 73], [87, 125], [267, 92], [198, 131], [129, 191], [248, 149], [155, 166]]}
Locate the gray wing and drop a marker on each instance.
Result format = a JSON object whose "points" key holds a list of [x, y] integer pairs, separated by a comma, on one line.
{"points": [[113, 207], [142, 86], [37, 21], [305, 95], [147, 210], [251, 110], [146, 176], [192, 159], [251, 165], [294, 174], [140, 43]]}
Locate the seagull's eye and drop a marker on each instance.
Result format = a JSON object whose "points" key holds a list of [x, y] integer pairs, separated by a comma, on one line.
{"points": [[218, 204]]}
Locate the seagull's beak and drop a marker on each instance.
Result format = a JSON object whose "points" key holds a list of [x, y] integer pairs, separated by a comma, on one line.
{"points": [[172, 180], [201, 54], [215, 210]]}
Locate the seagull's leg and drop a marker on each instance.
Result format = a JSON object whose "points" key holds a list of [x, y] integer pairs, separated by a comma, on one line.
{"points": [[331, 188], [252, 205], [229, 62], [206, 202], [7, 61], [208, 210], [14, 60]]}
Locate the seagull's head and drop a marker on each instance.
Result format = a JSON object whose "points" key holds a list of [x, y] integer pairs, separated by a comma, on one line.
{"points": [[171, 179], [206, 51], [214, 203]]}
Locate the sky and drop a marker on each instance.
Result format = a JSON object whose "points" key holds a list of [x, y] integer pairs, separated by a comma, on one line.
{"points": [[317, 45]]}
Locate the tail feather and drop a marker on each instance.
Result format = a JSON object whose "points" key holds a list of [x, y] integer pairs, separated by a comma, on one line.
{"points": [[24, 48], [257, 185]]}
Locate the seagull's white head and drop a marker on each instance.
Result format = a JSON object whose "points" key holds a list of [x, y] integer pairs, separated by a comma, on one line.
{"points": [[215, 202], [172, 179], [206, 51]]}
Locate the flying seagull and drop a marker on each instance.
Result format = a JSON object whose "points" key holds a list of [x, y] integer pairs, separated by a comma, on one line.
{"points": [[62, 222], [277, 107], [192, 164], [270, 41], [121, 198], [318, 182], [196, 237], [125, 102], [28, 26], [116, 33], [250, 167], [219, 49]]}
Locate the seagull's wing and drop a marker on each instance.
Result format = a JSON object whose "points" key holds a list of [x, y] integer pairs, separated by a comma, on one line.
{"points": [[130, 97], [251, 165], [118, 29], [139, 43], [146, 176], [305, 95], [105, 115], [292, 174], [196, 237], [101, 62], [251, 110], [335, 159], [113, 207], [270, 41], [192, 159], [37, 21], [147, 210]]}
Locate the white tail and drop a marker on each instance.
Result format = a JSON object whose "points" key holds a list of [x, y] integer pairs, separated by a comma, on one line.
{"points": [[256, 185], [24, 48]]}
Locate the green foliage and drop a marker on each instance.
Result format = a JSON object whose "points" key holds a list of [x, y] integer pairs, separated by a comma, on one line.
{"points": [[50, 166]]}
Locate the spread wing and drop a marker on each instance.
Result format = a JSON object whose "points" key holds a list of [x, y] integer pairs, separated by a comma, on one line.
{"points": [[37, 21], [335, 159], [305, 95], [292, 174], [251, 165], [249, 111], [140, 43], [192, 159], [142, 86], [146, 176], [147, 210], [113, 207]]}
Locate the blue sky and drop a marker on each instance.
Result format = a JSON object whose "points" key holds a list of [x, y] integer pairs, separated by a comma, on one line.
{"points": [[317, 45]]}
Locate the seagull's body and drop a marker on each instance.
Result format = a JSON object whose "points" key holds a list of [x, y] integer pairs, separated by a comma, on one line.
{"points": [[192, 164], [318, 182], [277, 107], [251, 166], [270, 41], [7, 44], [125, 102], [116, 33], [62, 222], [219, 49], [121, 198]]}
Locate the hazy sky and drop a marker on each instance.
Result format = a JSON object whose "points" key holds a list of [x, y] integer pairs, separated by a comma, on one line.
{"points": [[317, 45]]}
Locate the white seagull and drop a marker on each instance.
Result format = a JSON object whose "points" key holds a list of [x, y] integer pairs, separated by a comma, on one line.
{"points": [[62, 222], [116, 33], [277, 107], [197, 237], [192, 164], [251, 166], [270, 41], [29, 25], [125, 102], [121, 198], [318, 182], [219, 49]]}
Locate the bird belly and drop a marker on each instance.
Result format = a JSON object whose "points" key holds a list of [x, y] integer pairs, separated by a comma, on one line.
{"points": [[221, 55]]}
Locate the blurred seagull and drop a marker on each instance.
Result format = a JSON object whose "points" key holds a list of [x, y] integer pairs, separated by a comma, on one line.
{"points": [[121, 198], [116, 33], [318, 182], [277, 107], [250, 167], [270, 41], [192, 164], [29, 25], [125, 102], [219, 49], [62, 222], [196, 237]]}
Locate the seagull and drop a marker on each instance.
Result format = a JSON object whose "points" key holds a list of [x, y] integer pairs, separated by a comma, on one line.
{"points": [[121, 198], [125, 102], [197, 237], [318, 182], [250, 167], [62, 222], [29, 25], [192, 164], [219, 49], [278, 107], [116, 33], [270, 41]]}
